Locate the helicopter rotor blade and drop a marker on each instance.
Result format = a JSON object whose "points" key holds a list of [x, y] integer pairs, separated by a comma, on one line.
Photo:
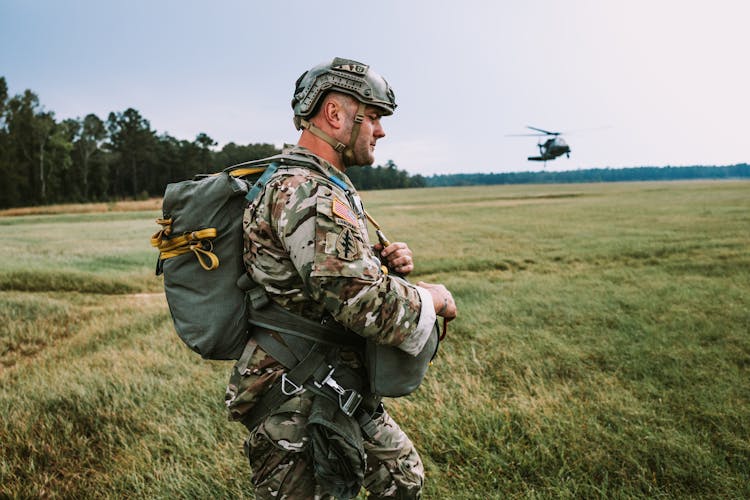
{"points": [[545, 132], [526, 135]]}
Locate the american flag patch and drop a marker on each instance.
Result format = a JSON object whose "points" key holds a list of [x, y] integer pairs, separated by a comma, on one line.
{"points": [[342, 210]]}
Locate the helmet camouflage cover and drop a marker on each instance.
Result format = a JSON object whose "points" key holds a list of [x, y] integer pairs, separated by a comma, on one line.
{"points": [[342, 75]]}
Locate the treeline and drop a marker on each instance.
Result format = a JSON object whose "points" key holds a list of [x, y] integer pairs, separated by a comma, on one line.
{"points": [[384, 177], [738, 171], [87, 159]]}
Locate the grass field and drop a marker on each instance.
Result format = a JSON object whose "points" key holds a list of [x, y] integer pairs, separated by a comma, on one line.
{"points": [[602, 350]]}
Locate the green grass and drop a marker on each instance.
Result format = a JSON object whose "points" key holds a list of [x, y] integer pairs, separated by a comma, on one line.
{"points": [[602, 350], [89, 253]]}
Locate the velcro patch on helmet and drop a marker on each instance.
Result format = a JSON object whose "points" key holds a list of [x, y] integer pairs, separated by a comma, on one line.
{"points": [[349, 66]]}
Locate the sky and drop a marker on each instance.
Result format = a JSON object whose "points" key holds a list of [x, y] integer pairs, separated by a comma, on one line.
{"points": [[629, 83]]}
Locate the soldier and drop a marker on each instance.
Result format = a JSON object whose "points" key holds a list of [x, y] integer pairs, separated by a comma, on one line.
{"points": [[307, 246]]}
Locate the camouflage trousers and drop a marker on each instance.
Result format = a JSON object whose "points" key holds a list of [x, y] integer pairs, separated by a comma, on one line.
{"points": [[282, 468]]}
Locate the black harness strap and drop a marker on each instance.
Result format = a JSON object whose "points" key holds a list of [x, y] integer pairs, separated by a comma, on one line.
{"points": [[309, 372], [276, 318], [292, 381], [276, 349]]}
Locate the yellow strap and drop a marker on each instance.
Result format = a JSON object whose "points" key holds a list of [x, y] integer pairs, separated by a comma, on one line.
{"points": [[186, 239], [203, 255], [369, 217], [167, 245], [174, 253], [206, 258], [157, 238], [188, 242], [241, 172], [166, 230]]}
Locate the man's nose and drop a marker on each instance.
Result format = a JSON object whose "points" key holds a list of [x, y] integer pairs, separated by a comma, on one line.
{"points": [[379, 132]]}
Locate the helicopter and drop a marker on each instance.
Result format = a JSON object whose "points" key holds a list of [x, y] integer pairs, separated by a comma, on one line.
{"points": [[551, 148]]}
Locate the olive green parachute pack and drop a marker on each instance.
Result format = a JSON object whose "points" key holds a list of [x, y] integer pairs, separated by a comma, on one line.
{"points": [[200, 255], [214, 304]]}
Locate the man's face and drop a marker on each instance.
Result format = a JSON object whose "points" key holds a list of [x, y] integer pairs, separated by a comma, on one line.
{"points": [[369, 132]]}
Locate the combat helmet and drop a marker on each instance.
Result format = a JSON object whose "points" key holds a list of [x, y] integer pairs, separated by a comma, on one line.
{"points": [[346, 76]]}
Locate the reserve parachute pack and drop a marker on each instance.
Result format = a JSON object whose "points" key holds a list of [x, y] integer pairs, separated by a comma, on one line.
{"points": [[203, 217]]}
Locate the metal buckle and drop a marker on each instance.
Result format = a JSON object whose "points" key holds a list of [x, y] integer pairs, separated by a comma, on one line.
{"points": [[295, 388], [349, 399], [326, 379], [349, 404]]}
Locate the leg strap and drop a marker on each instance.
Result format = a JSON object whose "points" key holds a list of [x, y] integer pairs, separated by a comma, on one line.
{"points": [[292, 381], [309, 369]]}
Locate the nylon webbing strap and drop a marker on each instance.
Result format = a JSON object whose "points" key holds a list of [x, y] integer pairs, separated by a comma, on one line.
{"points": [[305, 361], [309, 126], [242, 172], [275, 317], [198, 242], [259, 165], [253, 192], [294, 352], [358, 119], [291, 382], [247, 355], [276, 349]]}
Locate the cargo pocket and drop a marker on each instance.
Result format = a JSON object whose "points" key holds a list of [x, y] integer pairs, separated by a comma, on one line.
{"points": [[286, 427], [278, 451]]}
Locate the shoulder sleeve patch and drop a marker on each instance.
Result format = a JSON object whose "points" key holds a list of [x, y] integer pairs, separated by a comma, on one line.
{"points": [[339, 248], [348, 247], [341, 210]]}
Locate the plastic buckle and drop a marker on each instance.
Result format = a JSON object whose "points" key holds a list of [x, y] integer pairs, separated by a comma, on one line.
{"points": [[295, 388]]}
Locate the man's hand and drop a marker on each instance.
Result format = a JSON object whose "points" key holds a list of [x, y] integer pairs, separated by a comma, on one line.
{"points": [[398, 257], [442, 299]]}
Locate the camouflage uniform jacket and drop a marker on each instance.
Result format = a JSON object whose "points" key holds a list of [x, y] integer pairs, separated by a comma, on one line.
{"points": [[306, 243]]}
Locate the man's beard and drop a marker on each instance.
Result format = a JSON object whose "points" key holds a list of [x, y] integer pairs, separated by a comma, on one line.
{"points": [[360, 155]]}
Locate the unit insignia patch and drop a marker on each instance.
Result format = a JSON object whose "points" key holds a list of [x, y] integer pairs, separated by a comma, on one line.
{"points": [[347, 245]]}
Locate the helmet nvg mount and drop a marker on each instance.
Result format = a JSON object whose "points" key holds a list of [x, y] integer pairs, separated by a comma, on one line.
{"points": [[348, 77]]}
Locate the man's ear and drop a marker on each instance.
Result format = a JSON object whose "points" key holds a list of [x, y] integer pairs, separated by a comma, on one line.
{"points": [[333, 113]]}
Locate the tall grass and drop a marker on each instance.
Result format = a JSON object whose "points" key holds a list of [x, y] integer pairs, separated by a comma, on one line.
{"points": [[92, 253], [602, 350]]}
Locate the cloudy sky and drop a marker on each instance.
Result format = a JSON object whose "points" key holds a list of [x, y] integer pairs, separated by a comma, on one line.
{"points": [[637, 82]]}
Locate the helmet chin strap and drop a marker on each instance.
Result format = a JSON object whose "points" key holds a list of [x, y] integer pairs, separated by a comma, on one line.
{"points": [[347, 152]]}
